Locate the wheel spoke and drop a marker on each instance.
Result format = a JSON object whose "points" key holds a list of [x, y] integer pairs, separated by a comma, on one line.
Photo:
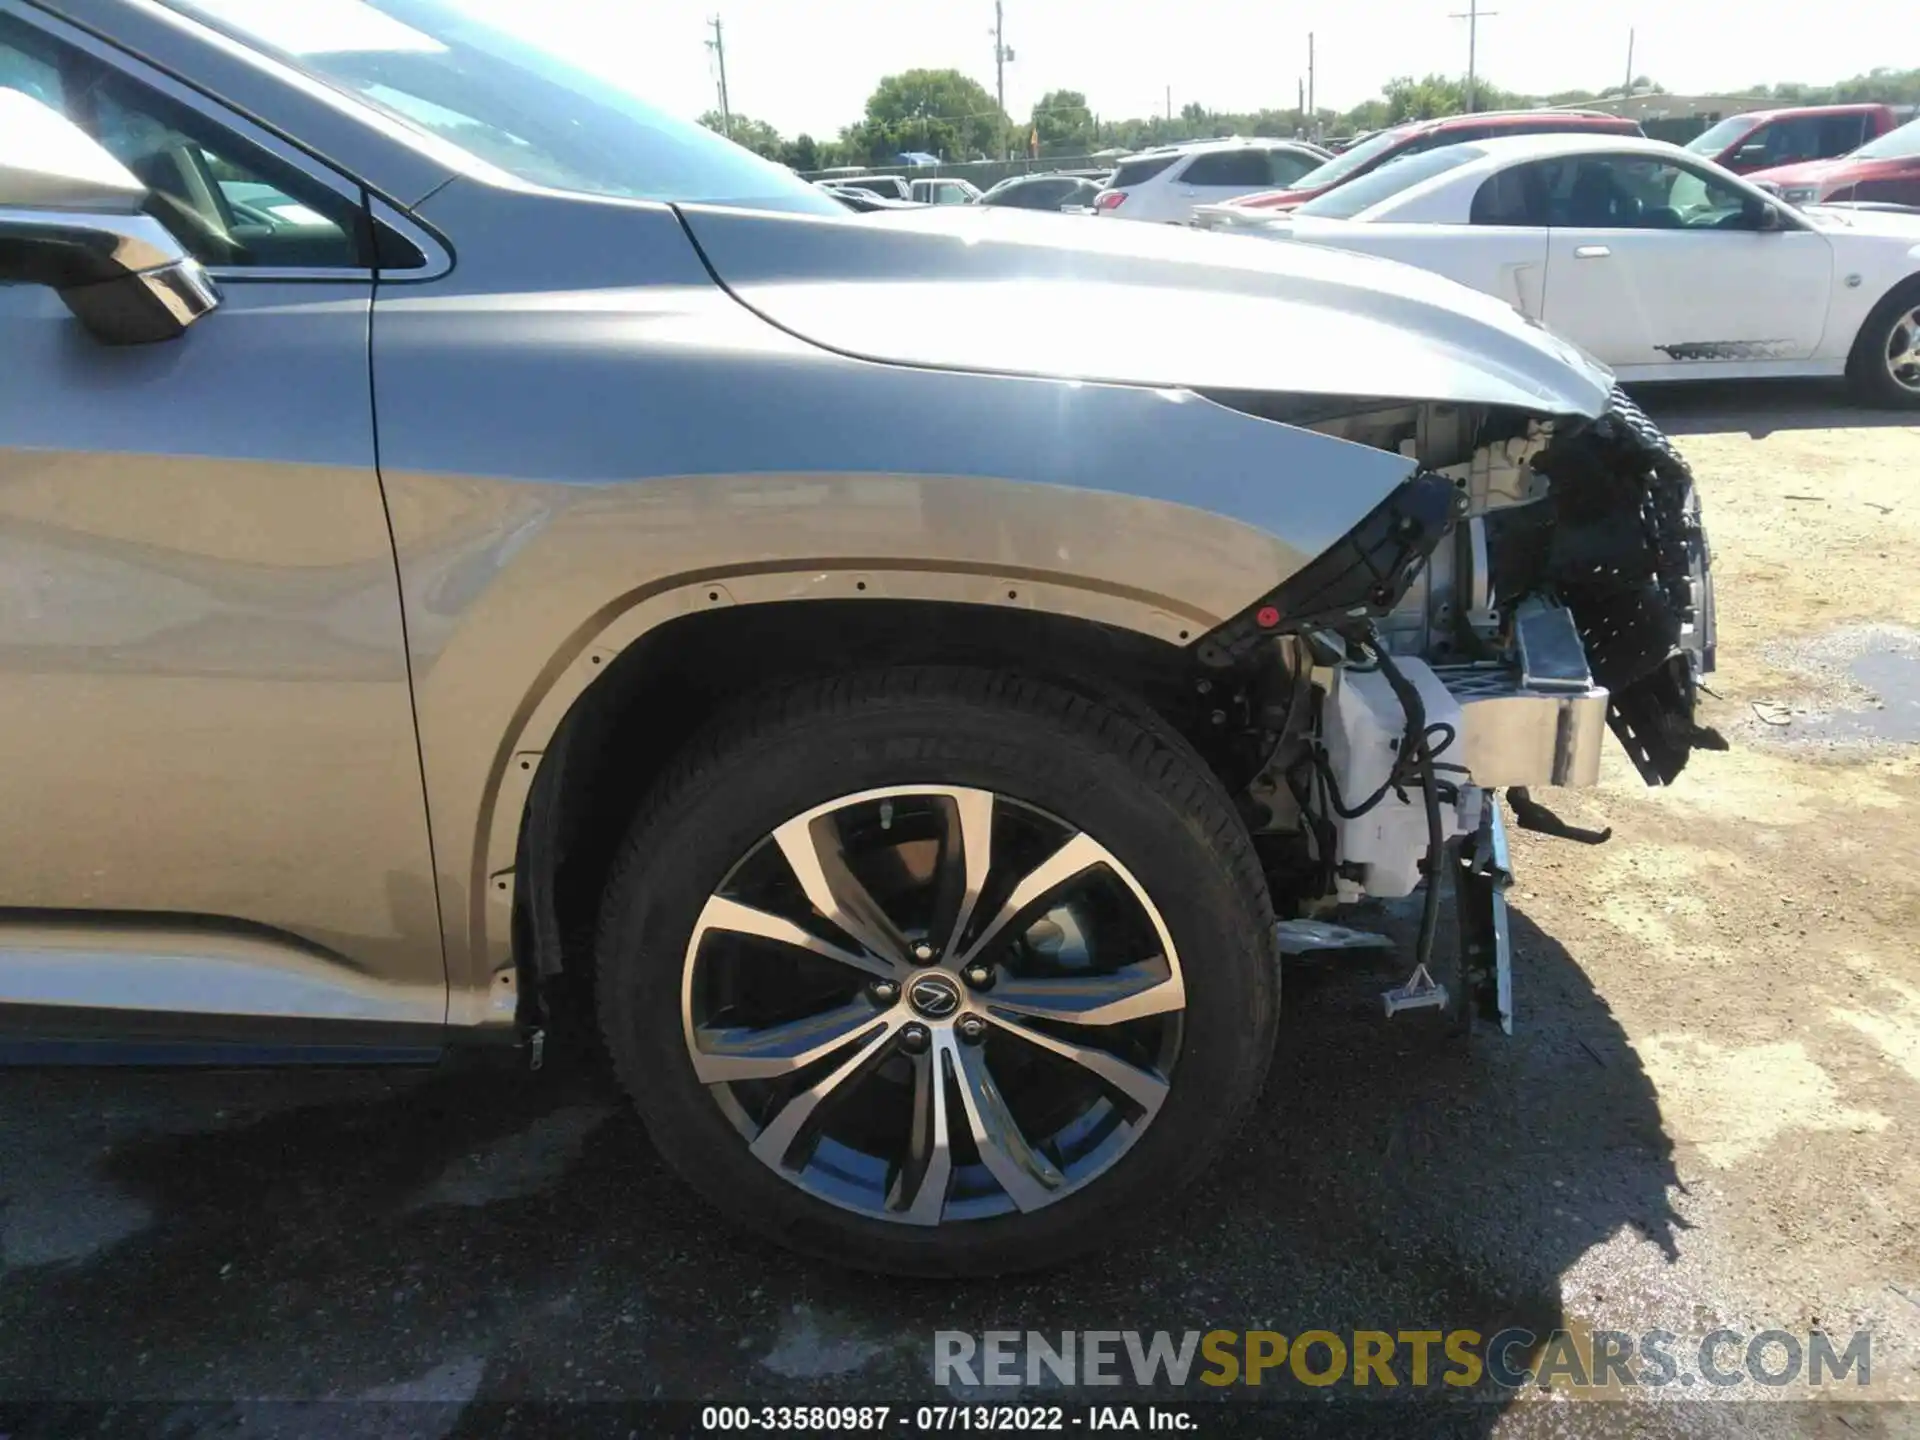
{"points": [[919, 1193], [813, 849], [814, 1096], [1903, 350], [967, 856], [1079, 855], [1027, 1176], [776, 1140], [725, 1053], [1151, 987], [1143, 1087], [730, 915]]}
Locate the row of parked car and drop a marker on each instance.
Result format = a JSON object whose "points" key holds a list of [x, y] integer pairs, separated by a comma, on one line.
{"points": [[1807, 155], [1747, 253]]}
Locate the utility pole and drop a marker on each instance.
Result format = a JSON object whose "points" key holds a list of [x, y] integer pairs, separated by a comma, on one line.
{"points": [[1310, 110], [1628, 88], [1001, 55], [1473, 15], [719, 47], [1169, 104]]}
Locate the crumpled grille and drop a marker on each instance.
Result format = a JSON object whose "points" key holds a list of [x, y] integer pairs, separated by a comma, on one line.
{"points": [[1629, 556]]}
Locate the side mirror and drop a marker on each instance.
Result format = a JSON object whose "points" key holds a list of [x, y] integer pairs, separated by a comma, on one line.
{"points": [[70, 218], [1761, 215]]}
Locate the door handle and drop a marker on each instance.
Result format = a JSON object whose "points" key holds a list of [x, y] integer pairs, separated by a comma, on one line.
{"points": [[1591, 252]]}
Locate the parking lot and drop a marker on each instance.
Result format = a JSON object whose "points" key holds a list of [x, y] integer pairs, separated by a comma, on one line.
{"points": [[1706, 1117]]}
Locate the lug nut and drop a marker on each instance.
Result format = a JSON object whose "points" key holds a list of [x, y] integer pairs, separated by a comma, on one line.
{"points": [[979, 977], [923, 952], [883, 992], [971, 1028], [914, 1039]]}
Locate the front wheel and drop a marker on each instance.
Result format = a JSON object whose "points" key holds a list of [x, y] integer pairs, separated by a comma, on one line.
{"points": [[1885, 364], [938, 971]]}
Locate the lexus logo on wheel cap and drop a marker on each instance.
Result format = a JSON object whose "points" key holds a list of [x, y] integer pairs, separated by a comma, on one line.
{"points": [[934, 996]]}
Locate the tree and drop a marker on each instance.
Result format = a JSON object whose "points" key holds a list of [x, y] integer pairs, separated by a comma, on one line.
{"points": [[939, 111], [756, 135], [1434, 95], [1064, 123], [1367, 115], [803, 153]]}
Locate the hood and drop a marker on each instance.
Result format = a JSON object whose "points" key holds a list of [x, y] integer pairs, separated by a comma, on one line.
{"points": [[1860, 220], [1807, 172], [1015, 292]]}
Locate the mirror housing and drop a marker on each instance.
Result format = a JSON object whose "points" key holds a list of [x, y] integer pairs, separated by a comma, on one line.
{"points": [[1762, 215], [71, 219]]}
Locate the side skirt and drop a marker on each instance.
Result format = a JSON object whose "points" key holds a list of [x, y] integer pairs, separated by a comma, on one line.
{"points": [[77, 1035]]}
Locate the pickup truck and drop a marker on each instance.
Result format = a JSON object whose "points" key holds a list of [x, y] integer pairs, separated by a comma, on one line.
{"points": [[1763, 139]]}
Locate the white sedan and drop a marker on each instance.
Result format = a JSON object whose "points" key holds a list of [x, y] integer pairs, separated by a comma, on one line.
{"points": [[1659, 263]]}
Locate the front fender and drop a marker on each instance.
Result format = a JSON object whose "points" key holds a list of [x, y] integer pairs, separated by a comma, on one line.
{"points": [[568, 469]]}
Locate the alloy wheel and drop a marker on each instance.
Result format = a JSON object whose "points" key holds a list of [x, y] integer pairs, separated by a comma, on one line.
{"points": [[1903, 351], [931, 1004]]}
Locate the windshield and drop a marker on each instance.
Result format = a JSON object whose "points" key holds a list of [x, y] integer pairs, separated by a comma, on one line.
{"points": [[1351, 162], [507, 102], [1901, 144], [1717, 138], [1389, 180]]}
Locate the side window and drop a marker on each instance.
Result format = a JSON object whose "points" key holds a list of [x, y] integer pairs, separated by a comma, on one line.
{"points": [[1246, 167], [1286, 166], [1639, 192], [228, 203], [1840, 134], [1515, 196], [1782, 142], [29, 73]]}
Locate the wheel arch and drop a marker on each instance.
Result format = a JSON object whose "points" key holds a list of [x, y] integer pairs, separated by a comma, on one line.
{"points": [[1907, 284], [642, 676]]}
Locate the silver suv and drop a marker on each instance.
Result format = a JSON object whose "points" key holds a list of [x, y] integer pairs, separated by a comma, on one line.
{"points": [[469, 540]]}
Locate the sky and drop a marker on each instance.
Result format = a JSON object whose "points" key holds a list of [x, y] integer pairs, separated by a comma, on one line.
{"points": [[809, 65]]}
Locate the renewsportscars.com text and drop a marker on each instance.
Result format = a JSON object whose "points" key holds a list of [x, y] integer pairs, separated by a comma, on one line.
{"points": [[1513, 1359]]}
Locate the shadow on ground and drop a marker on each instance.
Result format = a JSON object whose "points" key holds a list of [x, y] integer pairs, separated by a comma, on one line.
{"points": [[495, 1236], [1759, 408]]}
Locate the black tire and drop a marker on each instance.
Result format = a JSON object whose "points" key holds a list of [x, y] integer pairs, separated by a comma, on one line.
{"points": [[1867, 365], [1135, 786]]}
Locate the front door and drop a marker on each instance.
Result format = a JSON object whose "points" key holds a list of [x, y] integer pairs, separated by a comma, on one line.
{"points": [[1652, 263], [210, 792]]}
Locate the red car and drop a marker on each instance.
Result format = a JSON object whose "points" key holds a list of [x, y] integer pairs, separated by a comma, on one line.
{"points": [[1417, 135], [1766, 139], [1886, 170]]}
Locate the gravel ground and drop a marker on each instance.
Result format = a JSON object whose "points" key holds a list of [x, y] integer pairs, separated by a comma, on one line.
{"points": [[1707, 1118]]}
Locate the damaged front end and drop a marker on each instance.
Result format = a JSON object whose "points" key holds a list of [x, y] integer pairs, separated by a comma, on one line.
{"points": [[1536, 582]]}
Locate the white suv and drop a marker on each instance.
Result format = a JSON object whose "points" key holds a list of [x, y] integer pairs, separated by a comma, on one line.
{"points": [[947, 191], [1166, 184]]}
